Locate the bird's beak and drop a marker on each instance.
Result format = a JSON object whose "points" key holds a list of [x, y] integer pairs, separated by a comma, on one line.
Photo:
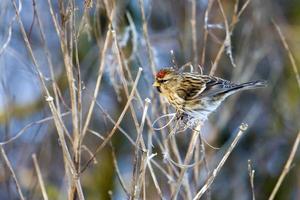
{"points": [[155, 84]]}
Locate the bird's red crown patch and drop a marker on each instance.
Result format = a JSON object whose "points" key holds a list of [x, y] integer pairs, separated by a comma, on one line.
{"points": [[161, 73]]}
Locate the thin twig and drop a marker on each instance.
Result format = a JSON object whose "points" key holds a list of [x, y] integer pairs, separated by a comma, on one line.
{"points": [[209, 6], [103, 144], [194, 32], [230, 29], [40, 177], [149, 160], [205, 163], [210, 180], [17, 135], [140, 162], [56, 114], [251, 177], [123, 80], [286, 167], [146, 36], [153, 175], [122, 182], [7, 162], [114, 123], [48, 55], [49, 99], [187, 160], [98, 82], [9, 30], [227, 42], [291, 57]]}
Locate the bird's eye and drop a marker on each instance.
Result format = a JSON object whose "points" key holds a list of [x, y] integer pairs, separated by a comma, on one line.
{"points": [[162, 81]]}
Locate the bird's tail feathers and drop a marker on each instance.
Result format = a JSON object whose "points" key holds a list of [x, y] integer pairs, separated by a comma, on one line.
{"points": [[254, 84], [244, 86]]}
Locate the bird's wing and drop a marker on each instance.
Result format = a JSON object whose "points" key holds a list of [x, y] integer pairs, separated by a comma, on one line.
{"points": [[217, 86], [195, 86]]}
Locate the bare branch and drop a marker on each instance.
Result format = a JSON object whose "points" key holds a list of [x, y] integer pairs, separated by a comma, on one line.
{"points": [[7, 162], [210, 180], [291, 57], [107, 139], [251, 176], [286, 168], [40, 177]]}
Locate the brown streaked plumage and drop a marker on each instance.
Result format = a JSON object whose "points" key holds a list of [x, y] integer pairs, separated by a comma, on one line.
{"points": [[195, 94]]}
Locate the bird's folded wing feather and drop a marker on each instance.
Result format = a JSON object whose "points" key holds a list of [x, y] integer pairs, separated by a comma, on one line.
{"points": [[203, 86], [217, 86]]}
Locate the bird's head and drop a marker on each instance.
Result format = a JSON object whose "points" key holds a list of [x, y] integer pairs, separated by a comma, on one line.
{"points": [[164, 79]]}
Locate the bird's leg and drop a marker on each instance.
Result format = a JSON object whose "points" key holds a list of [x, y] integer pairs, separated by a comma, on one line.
{"points": [[180, 115]]}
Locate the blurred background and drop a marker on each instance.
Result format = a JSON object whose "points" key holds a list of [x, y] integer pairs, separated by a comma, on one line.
{"points": [[252, 50]]}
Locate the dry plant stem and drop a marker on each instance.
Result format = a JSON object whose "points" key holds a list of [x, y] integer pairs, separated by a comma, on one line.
{"points": [[115, 162], [205, 163], [72, 87], [227, 42], [107, 139], [210, 180], [204, 155], [171, 144], [66, 42], [124, 82], [174, 147], [194, 32], [40, 177], [242, 10], [291, 57], [163, 171], [145, 161], [154, 178], [5, 45], [209, 6], [110, 10], [17, 135], [146, 36], [43, 84], [134, 36], [62, 35], [187, 160], [286, 168], [7, 162], [57, 119], [200, 154], [114, 123], [85, 148], [169, 177], [235, 9], [98, 82], [149, 154], [77, 143], [288, 164], [235, 20], [251, 176], [9, 30], [48, 55], [227, 39], [122, 182], [138, 166], [197, 158], [149, 160], [141, 178]]}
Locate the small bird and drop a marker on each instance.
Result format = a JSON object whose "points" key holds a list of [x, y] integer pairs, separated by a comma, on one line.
{"points": [[197, 95]]}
